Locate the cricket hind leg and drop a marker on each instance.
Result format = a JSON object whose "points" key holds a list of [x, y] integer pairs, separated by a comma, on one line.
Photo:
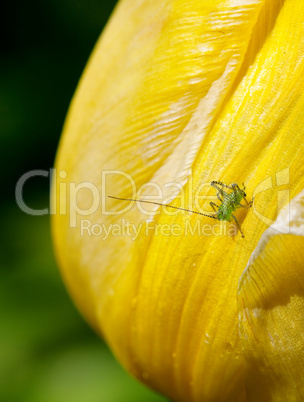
{"points": [[215, 184], [238, 225], [220, 191], [219, 196]]}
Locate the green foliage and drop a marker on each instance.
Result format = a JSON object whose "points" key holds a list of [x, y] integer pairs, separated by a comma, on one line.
{"points": [[48, 353]]}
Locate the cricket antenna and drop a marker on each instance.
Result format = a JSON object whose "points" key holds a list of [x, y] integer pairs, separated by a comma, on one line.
{"points": [[163, 205]]}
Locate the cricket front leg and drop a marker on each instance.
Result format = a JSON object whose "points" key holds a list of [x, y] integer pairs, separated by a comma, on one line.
{"points": [[245, 206], [213, 205]]}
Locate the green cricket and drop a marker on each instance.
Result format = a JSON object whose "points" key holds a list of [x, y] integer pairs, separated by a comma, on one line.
{"points": [[230, 202]]}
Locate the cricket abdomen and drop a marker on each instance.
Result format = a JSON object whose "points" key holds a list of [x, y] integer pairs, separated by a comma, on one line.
{"points": [[224, 213], [230, 204]]}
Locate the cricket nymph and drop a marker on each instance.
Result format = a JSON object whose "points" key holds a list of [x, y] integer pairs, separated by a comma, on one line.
{"points": [[230, 202]]}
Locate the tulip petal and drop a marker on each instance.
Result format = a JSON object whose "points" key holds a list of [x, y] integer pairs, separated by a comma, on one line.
{"points": [[271, 306], [174, 85]]}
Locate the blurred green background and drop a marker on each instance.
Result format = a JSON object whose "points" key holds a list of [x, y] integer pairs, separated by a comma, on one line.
{"points": [[47, 352]]}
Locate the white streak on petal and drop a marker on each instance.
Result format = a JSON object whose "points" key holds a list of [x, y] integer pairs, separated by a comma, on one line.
{"points": [[289, 221]]}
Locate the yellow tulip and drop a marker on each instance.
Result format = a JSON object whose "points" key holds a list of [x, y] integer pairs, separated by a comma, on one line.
{"points": [[178, 94]]}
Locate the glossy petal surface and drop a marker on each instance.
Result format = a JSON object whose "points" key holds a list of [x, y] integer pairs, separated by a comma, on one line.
{"points": [[172, 85]]}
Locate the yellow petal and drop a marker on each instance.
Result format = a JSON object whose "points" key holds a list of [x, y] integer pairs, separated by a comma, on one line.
{"points": [[271, 305], [213, 86]]}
